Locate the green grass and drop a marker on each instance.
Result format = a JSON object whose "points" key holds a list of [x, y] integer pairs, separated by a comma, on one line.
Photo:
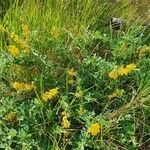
{"points": [[74, 35]]}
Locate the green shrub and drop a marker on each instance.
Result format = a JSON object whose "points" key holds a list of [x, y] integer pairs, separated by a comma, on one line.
{"points": [[68, 82]]}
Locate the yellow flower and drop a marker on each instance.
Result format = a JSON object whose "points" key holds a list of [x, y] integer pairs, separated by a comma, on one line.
{"points": [[15, 38], [116, 93], [12, 35], [22, 86], [71, 72], [122, 71], [94, 129], [22, 43], [50, 94], [46, 96], [28, 87], [10, 116], [143, 51], [25, 31], [25, 47], [65, 122], [13, 50], [113, 74], [71, 81], [126, 70], [64, 113], [130, 67]]}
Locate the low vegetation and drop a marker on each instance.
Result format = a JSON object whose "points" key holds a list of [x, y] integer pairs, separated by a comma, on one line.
{"points": [[70, 80]]}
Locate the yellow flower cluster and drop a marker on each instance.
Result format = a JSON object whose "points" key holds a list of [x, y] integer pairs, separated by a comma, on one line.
{"points": [[143, 51], [14, 51], [22, 86], [94, 129], [25, 47], [71, 81], [50, 94], [122, 71], [25, 31], [23, 44], [65, 122], [116, 93], [71, 73], [10, 116], [15, 38]]}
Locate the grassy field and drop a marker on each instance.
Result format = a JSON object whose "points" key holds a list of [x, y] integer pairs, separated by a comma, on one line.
{"points": [[70, 79]]}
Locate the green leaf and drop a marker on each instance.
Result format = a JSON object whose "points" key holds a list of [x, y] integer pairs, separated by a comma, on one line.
{"points": [[12, 133]]}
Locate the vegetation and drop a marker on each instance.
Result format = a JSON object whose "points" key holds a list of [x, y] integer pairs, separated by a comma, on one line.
{"points": [[70, 80]]}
